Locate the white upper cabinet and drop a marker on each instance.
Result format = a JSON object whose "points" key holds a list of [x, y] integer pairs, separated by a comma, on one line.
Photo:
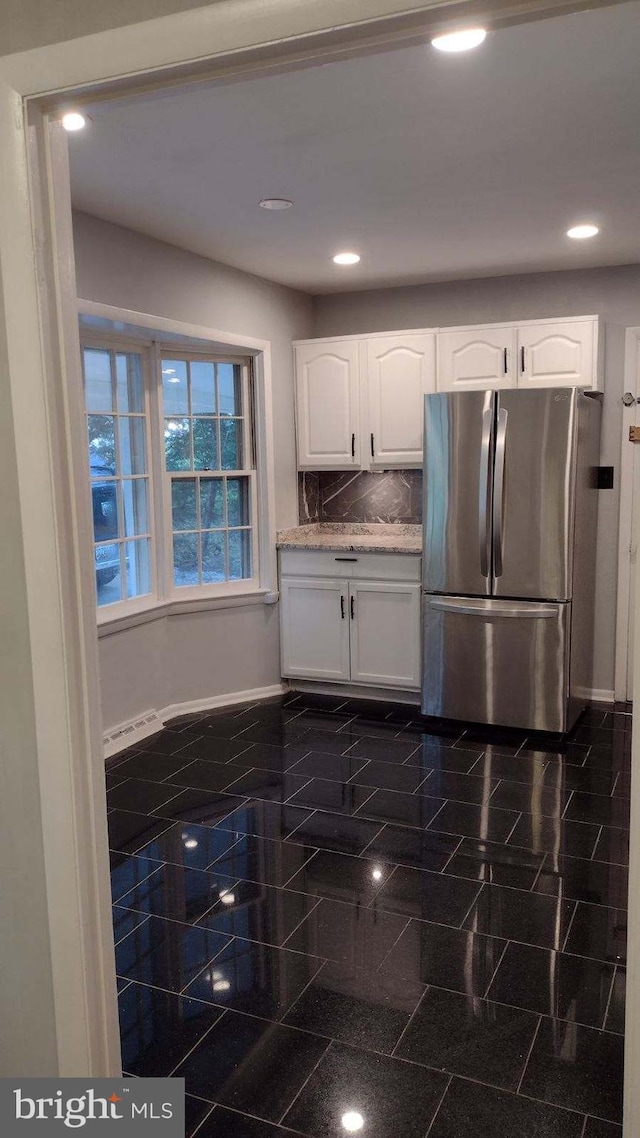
{"points": [[359, 400], [328, 405], [553, 353], [400, 372], [557, 354], [476, 358]]}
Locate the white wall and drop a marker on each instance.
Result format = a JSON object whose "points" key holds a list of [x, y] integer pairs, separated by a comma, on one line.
{"points": [[613, 293], [182, 658]]}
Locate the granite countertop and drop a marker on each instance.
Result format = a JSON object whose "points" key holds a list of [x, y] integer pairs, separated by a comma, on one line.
{"points": [[356, 537]]}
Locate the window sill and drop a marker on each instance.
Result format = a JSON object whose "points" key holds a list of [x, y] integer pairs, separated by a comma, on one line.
{"points": [[162, 609]]}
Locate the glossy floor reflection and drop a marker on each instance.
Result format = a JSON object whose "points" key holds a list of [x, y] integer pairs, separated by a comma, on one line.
{"points": [[332, 916]]}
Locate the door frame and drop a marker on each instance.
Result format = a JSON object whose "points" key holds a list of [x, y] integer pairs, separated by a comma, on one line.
{"points": [[39, 365], [627, 556]]}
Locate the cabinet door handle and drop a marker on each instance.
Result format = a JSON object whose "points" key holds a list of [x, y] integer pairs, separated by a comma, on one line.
{"points": [[353, 615], [522, 359], [345, 559], [342, 607], [506, 363], [353, 445], [373, 450]]}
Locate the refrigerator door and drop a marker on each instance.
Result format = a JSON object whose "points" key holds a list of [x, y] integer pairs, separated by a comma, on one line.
{"points": [[499, 662], [458, 479], [534, 492]]}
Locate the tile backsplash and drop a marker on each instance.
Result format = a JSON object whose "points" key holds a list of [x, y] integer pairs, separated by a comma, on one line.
{"points": [[360, 496]]}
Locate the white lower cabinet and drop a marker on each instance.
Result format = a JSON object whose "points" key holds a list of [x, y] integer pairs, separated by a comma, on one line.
{"points": [[314, 628], [363, 631], [385, 633]]}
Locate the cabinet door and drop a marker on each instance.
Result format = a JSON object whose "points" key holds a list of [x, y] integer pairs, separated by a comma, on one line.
{"points": [[314, 628], [327, 405], [401, 371], [557, 355], [385, 633], [476, 358]]}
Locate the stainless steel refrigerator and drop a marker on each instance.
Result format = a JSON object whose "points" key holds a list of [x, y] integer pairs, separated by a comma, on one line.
{"points": [[509, 524]]}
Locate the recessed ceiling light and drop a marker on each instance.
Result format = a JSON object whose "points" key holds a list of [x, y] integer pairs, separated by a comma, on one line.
{"points": [[346, 258], [352, 1121], [276, 203], [73, 120], [579, 232], [459, 41]]}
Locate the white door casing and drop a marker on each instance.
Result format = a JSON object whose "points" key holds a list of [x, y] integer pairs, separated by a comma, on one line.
{"points": [[628, 539]]}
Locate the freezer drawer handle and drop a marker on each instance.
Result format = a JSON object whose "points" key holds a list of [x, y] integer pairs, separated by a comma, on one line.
{"points": [[469, 609]]}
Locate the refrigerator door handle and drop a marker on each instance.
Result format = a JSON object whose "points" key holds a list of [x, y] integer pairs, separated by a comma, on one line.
{"points": [[485, 490], [494, 609], [498, 492]]}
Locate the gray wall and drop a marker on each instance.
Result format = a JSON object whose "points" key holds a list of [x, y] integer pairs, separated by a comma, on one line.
{"points": [[182, 658], [613, 293]]}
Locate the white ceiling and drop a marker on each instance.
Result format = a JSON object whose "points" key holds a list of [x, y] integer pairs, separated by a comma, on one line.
{"points": [[433, 167]]}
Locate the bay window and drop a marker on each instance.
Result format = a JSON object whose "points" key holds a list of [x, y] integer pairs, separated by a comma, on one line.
{"points": [[173, 478]]}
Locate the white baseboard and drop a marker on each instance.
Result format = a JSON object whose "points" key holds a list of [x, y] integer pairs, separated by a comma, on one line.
{"points": [[601, 695], [128, 734], [208, 704]]}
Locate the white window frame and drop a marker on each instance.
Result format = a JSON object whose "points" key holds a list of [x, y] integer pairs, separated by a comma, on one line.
{"points": [[113, 343], [162, 336], [228, 588]]}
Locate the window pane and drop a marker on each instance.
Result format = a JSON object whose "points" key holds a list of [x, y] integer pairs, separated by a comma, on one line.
{"points": [[174, 387], [183, 503], [134, 494], [203, 388], [177, 444], [231, 441], [102, 445], [108, 584], [211, 503], [133, 458], [185, 559], [97, 380], [238, 502], [138, 568], [213, 567], [129, 381], [230, 389], [104, 501], [205, 444], [239, 554]]}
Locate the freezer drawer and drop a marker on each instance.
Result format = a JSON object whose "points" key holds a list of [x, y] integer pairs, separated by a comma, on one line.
{"points": [[493, 661]]}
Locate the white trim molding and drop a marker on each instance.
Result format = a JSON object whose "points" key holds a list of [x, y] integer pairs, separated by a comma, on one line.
{"points": [[627, 553]]}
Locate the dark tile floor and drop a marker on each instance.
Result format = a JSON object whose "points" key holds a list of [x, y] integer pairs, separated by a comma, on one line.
{"points": [[331, 916]]}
